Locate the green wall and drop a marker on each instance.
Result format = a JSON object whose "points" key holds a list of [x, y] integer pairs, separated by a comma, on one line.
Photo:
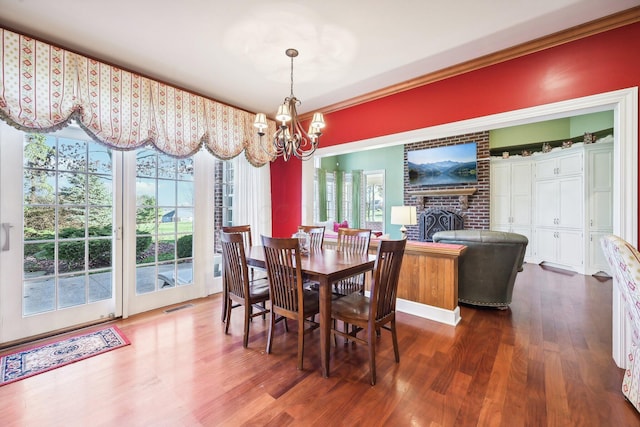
{"points": [[590, 123], [551, 130], [389, 159]]}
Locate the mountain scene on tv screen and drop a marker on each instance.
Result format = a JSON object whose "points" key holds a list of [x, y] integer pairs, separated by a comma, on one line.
{"points": [[442, 173]]}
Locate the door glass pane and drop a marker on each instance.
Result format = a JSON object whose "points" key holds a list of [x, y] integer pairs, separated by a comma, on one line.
{"points": [[164, 222], [72, 290], [68, 217]]}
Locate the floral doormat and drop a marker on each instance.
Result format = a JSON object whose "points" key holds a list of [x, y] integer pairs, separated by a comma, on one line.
{"points": [[27, 363]]}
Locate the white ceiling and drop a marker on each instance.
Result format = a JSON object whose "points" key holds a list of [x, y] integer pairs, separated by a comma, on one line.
{"points": [[233, 51]]}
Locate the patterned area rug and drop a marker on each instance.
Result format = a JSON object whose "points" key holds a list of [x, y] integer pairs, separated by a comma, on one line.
{"points": [[36, 360]]}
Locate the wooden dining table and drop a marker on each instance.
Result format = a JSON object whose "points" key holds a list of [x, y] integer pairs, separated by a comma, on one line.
{"points": [[325, 266]]}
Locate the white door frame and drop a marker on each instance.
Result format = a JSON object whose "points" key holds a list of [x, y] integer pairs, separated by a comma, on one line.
{"points": [[624, 104]]}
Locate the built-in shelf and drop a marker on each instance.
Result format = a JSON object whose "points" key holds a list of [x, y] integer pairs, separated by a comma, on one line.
{"points": [[462, 193]]}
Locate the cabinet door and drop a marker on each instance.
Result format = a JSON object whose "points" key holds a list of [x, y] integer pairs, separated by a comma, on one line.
{"points": [[597, 260], [547, 203], [521, 194], [601, 190], [500, 194], [546, 168], [525, 231], [545, 245], [569, 165], [570, 196], [570, 248]]}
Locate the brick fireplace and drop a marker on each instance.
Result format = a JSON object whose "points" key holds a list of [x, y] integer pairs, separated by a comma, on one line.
{"points": [[469, 201]]}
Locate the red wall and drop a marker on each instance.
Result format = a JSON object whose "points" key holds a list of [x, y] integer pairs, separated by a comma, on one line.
{"points": [[600, 63]]}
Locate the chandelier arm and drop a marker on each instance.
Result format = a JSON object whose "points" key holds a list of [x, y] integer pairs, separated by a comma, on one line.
{"points": [[304, 144]]}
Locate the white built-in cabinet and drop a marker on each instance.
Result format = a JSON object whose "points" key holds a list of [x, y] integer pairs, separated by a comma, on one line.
{"points": [[599, 175], [511, 197], [561, 200]]}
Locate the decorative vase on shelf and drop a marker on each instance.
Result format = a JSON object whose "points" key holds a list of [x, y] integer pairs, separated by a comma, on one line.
{"points": [[546, 147], [589, 138]]}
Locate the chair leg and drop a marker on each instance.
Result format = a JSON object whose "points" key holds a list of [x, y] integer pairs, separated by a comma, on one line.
{"points": [[271, 326], [227, 316], [300, 341], [394, 336], [247, 318], [225, 298], [335, 338], [372, 353], [345, 328]]}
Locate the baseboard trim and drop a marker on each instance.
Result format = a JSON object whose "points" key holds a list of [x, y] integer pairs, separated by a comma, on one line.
{"points": [[437, 314]]}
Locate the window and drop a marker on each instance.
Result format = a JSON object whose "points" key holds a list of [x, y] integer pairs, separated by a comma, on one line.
{"points": [[347, 197], [374, 200], [227, 193], [331, 196], [67, 211], [164, 221]]}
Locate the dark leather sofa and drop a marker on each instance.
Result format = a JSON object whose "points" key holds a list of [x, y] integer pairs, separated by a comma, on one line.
{"points": [[487, 269]]}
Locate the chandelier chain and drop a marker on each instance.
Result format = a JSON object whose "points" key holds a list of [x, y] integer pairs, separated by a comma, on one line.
{"points": [[292, 95]]}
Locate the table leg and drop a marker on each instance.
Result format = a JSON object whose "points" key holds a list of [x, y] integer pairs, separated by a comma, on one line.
{"points": [[325, 324]]}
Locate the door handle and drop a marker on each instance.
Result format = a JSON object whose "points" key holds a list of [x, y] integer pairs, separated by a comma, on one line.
{"points": [[7, 243]]}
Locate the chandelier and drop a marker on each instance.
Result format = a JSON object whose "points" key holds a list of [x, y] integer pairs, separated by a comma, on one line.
{"points": [[290, 138]]}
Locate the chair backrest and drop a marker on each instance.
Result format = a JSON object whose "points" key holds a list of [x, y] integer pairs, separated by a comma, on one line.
{"points": [[488, 268], [244, 230], [624, 262], [235, 264], [386, 272], [316, 234], [282, 258], [354, 240]]}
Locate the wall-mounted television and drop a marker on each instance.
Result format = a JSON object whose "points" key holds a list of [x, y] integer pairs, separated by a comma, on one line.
{"points": [[450, 165]]}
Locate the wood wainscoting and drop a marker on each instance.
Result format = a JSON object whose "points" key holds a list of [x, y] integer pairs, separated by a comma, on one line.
{"points": [[428, 285]]}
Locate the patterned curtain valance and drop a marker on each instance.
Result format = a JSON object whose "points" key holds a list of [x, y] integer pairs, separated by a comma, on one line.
{"points": [[43, 87]]}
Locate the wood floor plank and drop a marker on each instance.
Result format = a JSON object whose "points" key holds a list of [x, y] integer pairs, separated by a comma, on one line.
{"points": [[546, 361]]}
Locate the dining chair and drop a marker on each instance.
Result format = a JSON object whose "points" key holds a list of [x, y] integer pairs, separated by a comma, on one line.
{"points": [[289, 299], [239, 289], [316, 234], [379, 309], [355, 241], [245, 232]]}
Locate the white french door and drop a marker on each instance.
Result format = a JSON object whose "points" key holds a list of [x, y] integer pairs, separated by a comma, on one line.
{"points": [[58, 249], [162, 215], [88, 233]]}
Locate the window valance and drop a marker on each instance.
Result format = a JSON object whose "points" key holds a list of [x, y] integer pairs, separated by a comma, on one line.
{"points": [[43, 87]]}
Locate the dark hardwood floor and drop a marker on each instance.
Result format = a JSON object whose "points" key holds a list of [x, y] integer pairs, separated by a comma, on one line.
{"points": [[544, 362]]}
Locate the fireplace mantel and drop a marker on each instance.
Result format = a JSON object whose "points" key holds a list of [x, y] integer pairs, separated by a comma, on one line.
{"points": [[445, 192], [462, 193]]}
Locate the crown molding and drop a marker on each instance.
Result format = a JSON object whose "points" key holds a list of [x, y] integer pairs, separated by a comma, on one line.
{"points": [[601, 25]]}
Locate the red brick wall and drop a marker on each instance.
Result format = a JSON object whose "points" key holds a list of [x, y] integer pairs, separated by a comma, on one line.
{"points": [[476, 215]]}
